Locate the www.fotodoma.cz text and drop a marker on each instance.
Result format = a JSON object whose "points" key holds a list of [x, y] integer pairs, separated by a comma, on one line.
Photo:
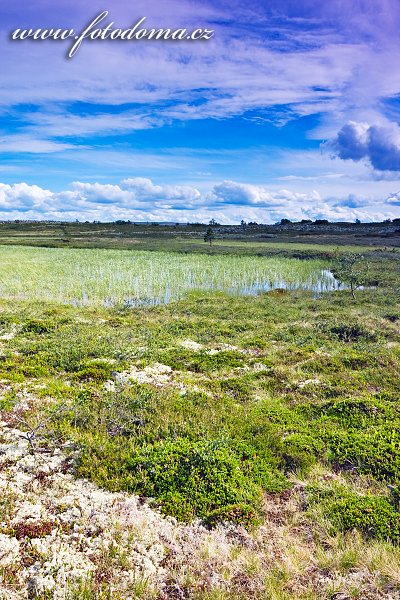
{"points": [[108, 32]]}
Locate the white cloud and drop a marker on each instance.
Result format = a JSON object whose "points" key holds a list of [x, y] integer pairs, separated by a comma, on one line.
{"points": [[145, 190], [378, 144], [312, 177], [22, 197], [243, 194], [139, 199], [31, 144], [59, 123]]}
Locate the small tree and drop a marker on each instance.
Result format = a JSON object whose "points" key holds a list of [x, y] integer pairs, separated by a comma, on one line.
{"points": [[351, 269], [209, 236]]}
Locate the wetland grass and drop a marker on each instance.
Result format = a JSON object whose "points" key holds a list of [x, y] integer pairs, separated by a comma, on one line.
{"points": [[114, 277]]}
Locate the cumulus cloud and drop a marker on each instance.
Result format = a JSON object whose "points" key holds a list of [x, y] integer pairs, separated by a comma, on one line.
{"points": [[23, 197], [378, 144], [134, 193], [102, 193], [232, 192], [143, 188], [139, 199]]}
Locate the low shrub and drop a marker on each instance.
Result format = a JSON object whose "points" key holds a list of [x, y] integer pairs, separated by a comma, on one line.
{"points": [[393, 317], [299, 451], [98, 371], [236, 388], [350, 332], [374, 516], [241, 514], [375, 453], [190, 479], [356, 412], [38, 326]]}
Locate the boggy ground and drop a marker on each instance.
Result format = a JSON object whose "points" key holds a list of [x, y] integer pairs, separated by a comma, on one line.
{"points": [[213, 448], [316, 240]]}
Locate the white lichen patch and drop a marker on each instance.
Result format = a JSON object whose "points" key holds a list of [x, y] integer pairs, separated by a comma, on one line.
{"points": [[105, 361], [75, 530], [9, 335], [258, 366], [9, 550], [157, 374], [196, 347], [250, 352], [223, 348], [192, 345], [302, 384]]}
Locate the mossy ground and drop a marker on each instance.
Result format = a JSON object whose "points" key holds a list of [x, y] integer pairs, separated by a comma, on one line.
{"points": [[254, 395]]}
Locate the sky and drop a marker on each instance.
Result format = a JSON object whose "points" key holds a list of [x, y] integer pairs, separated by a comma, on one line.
{"points": [[290, 110]]}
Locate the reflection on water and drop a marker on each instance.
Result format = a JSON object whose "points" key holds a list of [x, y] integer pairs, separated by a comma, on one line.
{"points": [[326, 283], [319, 283]]}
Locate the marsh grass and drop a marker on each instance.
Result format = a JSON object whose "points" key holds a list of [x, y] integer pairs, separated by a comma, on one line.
{"points": [[117, 277]]}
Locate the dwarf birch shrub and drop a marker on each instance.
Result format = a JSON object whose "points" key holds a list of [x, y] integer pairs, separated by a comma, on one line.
{"points": [[374, 516], [195, 478]]}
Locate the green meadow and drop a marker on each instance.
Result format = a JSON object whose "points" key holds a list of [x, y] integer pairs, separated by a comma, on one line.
{"points": [[220, 388]]}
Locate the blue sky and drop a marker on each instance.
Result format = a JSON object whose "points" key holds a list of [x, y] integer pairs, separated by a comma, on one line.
{"points": [[292, 110]]}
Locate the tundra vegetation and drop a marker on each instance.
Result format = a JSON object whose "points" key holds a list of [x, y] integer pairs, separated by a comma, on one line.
{"points": [[216, 444]]}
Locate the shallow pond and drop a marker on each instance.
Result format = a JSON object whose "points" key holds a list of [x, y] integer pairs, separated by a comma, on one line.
{"points": [[138, 278]]}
